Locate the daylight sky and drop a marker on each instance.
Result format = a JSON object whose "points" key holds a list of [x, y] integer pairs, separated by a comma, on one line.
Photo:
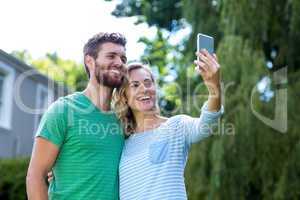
{"points": [[63, 26]]}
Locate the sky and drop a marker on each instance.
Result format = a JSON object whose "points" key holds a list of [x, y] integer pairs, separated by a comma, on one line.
{"points": [[64, 26]]}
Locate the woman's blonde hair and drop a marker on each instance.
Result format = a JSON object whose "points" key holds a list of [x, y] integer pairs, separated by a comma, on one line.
{"points": [[119, 99]]}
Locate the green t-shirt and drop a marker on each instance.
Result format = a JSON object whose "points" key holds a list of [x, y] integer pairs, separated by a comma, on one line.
{"points": [[90, 143]]}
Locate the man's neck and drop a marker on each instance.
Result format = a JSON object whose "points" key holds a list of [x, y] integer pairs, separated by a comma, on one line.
{"points": [[100, 95]]}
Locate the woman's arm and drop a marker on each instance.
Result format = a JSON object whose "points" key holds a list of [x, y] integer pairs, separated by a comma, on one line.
{"points": [[209, 68], [196, 129]]}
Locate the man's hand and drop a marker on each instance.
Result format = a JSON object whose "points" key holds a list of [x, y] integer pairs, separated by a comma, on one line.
{"points": [[50, 176]]}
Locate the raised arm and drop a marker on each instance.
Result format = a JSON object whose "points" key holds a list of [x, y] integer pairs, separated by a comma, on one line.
{"points": [[209, 68], [197, 128]]}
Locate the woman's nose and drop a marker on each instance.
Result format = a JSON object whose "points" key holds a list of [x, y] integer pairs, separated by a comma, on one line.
{"points": [[143, 88]]}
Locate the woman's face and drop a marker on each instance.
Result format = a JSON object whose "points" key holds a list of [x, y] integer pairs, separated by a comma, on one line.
{"points": [[140, 91]]}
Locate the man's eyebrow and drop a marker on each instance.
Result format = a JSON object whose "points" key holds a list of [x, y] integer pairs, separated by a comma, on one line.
{"points": [[115, 53], [111, 52]]}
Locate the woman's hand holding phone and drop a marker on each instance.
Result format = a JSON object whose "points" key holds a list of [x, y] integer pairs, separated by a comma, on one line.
{"points": [[208, 67]]}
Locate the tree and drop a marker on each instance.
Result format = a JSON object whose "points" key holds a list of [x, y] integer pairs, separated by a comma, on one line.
{"points": [[165, 14], [271, 26], [64, 71]]}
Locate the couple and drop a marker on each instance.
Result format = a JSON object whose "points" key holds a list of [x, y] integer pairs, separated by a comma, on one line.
{"points": [[130, 153]]}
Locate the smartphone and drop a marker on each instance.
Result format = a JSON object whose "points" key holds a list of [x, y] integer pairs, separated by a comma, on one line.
{"points": [[205, 42]]}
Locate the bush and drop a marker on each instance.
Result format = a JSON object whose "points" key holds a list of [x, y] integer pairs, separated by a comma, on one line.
{"points": [[13, 178]]}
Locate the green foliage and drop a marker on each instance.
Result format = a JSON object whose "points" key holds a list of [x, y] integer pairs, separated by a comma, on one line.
{"points": [[165, 14], [12, 178], [156, 52], [293, 37], [268, 25], [204, 17], [63, 71]]}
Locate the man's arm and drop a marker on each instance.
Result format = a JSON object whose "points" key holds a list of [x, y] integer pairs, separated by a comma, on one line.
{"points": [[43, 156]]}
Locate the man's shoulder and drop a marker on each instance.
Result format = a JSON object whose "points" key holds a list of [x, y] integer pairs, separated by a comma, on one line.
{"points": [[71, 97], [63, 102]]}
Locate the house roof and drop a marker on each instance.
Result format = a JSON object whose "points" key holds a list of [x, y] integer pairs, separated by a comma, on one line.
{"points": [[21, 67]]}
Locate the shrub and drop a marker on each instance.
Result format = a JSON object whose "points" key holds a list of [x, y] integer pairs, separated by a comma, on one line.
{"points": [[13, 178]]}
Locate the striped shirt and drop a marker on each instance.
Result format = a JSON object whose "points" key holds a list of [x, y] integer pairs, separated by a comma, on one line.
{"points": [[152, 162]]}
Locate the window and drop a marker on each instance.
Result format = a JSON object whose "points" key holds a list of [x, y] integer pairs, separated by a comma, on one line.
{"points": [[44, 97], [2, 78], [7, 76]]}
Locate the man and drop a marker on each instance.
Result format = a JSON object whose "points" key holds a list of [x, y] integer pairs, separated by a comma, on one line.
{"points": [[79, 138]]}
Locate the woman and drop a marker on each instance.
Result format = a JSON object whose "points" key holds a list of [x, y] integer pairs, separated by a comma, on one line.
{"points": [[156, 149]]}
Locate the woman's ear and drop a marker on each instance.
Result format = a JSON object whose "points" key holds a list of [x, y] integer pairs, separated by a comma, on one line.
{"points": [[125, 100], [125, 95]]}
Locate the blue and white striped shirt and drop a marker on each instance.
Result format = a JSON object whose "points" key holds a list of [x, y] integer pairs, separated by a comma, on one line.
{"points": [[152, 163]]}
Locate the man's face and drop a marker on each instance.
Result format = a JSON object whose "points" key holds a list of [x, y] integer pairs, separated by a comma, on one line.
{"points": [[110, 65]]}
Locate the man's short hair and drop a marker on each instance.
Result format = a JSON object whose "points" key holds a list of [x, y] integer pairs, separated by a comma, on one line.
{"points": [[93, 45]]}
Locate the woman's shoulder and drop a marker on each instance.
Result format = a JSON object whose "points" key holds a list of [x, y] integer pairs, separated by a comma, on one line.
{"points": [[177, 119]]}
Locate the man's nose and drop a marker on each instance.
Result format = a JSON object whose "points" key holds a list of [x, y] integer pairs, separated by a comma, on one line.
{"points": [[119, 62]]}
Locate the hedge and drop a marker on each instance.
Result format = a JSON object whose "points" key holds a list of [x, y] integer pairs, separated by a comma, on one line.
{"points": [[13, 178]]}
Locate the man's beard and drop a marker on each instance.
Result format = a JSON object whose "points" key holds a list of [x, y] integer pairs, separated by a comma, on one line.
{"points": [[105, 78]]}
